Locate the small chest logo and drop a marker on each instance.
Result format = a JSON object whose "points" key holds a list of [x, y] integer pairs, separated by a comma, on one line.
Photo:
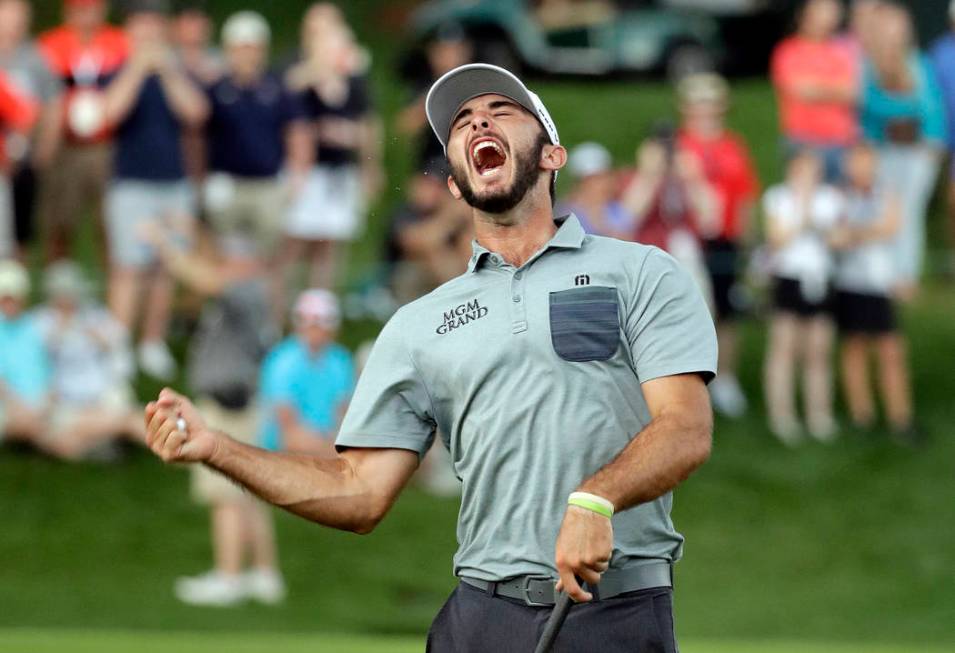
{"points": [[582, 280], [461, 315]]}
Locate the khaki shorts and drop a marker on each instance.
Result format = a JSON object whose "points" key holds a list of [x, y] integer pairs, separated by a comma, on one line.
{"points": [[209, 487], [75, 182], [250, 208], [116, 402]]}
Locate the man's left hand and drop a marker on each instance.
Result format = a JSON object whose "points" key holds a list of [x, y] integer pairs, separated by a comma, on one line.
{"points": [[584, 545]]}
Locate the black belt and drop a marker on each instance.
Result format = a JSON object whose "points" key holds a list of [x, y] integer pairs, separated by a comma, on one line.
{"points": [[539, 590]]}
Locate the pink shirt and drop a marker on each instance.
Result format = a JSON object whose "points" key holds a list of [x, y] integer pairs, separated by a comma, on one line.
{"points": [[797, 60]]}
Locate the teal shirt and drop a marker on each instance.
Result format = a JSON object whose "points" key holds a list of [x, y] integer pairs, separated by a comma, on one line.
{"points": [[532, 377], [24, 362], [315, 386], [924, 105]]}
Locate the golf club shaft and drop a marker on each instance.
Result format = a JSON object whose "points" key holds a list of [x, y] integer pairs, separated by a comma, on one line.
{"points": [[554, 622]]}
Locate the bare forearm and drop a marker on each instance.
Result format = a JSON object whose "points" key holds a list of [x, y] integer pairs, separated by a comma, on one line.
{"points": [[185, 100], [122, 94], [322, 490], [664, 454]]}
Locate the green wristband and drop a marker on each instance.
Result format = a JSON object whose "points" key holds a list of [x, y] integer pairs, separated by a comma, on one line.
{"points": [[593, 506]]}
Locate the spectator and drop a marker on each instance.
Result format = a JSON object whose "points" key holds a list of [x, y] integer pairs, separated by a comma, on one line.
{"points": [[148, 100], [92, 401], [800, 213], [24, 364], [447, 49], [815, 76], [84, 52], [328, 210], [864, 311], [943, 56], [254, 126], [307, 380], [704, 101], [17, 116], [28, 72], [594, 197], [903, 113], [192, 33], [226, 352], [672, 202], [430, 234]]}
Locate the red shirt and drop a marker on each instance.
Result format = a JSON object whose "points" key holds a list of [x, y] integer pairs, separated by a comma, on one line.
{"points": [[85, 69], [729, 171], [17, 112], [797, 60]]}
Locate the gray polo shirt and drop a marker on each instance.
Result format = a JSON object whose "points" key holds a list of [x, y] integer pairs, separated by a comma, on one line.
{"points": [[532, 377]]}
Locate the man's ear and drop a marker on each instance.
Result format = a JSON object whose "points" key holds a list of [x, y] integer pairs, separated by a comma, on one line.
{"points": [[553, 157], [453, 187]]}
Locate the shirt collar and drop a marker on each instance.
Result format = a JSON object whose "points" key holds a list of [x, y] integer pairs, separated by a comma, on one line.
{"points": [[570, 235]]}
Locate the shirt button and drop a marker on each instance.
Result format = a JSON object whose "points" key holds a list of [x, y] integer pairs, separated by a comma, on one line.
{"points": [[518, 275], [495, 260], [517, 299]]}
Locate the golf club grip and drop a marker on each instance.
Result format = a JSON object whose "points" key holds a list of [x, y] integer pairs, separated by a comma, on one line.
{"points": [[554, 622]]}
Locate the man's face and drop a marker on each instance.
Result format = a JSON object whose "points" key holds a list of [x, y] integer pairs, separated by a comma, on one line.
{"points": [[85, 15], [247, 59], [314, 333], [10, 306], [495, 150], [193, 29], [15, 18], [147, 29]]}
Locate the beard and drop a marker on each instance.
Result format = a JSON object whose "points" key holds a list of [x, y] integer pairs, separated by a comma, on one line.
{"points": [[526, 173]]}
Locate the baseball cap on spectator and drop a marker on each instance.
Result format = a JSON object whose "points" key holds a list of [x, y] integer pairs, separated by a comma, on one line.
{"points": [[14, 281], [246, 28], [589, 159], [318, 306], [464, 83], [65, 279], [703, 88]]}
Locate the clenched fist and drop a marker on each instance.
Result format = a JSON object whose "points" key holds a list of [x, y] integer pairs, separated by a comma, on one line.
{"points": [[176, 432]]}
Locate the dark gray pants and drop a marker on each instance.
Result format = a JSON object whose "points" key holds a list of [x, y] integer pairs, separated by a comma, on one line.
{"points": [[472, 621]]}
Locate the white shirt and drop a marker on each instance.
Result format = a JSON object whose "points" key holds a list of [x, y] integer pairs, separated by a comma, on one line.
{"points": [[869, 267], [806, 257], [84, 368]]}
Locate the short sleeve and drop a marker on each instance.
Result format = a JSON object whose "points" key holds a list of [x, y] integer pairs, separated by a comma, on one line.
{"points": [[391, 407], [668, 324]]}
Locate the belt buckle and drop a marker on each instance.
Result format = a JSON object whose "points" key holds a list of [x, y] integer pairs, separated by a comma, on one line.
{"points": [[526, 590]]}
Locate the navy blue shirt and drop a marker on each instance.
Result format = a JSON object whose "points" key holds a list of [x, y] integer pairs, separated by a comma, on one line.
{"points": [[355, 106], [246, 131], [148, 141]]}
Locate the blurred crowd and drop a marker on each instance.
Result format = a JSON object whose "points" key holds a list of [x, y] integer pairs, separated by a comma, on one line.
{"points": [[199, 163]]}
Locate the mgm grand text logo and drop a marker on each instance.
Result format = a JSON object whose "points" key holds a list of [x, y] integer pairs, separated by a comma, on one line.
{"points": [[461, 315]]}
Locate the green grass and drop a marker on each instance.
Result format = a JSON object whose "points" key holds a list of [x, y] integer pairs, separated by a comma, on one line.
{"points": [[16, 641]]}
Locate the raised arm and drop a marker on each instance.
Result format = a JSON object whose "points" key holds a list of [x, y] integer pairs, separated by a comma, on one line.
{"points": [[675, 443], [185, 99], [352, 491]]}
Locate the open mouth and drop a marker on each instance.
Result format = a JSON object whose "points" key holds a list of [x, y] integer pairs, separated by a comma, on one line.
{"points": [[488, 156]]}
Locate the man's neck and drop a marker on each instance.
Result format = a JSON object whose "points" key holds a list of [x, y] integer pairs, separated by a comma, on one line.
{"points": [[518, 234]]}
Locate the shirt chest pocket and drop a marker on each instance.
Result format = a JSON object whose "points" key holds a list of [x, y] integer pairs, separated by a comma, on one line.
{"points": [[584, 323]]}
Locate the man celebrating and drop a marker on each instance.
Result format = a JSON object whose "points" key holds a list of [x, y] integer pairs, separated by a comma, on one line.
{"points": [[566, 374]]}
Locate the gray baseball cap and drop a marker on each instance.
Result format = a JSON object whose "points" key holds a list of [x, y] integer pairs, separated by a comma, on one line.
{"points": [[464, 83]]}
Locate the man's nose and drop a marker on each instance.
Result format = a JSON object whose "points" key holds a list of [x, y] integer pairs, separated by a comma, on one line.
{"points": [[480, 122]]}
